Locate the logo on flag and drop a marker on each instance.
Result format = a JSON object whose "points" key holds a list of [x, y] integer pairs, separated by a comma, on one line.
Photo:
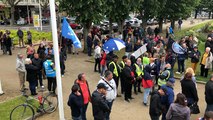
{"points": [[67, 32]]}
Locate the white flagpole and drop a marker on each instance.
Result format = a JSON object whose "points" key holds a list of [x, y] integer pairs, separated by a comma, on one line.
{"points": [[56, 54]]}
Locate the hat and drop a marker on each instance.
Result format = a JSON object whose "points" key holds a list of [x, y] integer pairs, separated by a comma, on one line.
{"points": [[164, 89], [114, 56], [195, 46], [171, 80], [102, 85]]}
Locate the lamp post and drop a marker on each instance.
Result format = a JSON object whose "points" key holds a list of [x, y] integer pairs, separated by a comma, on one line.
{"points": [[40, 14]]}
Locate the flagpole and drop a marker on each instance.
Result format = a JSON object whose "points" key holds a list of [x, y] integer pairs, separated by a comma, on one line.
{"points": [[56, 54]]}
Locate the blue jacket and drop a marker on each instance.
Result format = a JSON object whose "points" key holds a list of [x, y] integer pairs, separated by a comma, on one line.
{"points": [[50, 72], [168, 99]]}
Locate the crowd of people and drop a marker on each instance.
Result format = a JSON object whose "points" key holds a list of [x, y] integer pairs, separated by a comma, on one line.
{"points": [[153, 71]]}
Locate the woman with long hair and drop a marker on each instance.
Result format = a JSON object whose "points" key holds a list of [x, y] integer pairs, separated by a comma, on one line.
{"points": [[179, 110]]}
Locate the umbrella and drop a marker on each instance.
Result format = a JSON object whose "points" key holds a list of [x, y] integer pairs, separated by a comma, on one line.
{"points": [[177, 48], [114, 44]]}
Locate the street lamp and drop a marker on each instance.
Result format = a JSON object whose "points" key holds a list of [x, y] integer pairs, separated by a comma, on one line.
{"points": [[40, 14]]}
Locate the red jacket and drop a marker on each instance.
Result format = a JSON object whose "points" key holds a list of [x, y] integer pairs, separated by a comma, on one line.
{"points": [[147, 81], [103, 59]]}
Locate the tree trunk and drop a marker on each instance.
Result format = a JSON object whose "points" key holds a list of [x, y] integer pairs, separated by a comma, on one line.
{"points": [[173, 24], [210, 14], [12, 15], [120, 26], [196, 12], [86, 30], [110, 27], [160, 24]]}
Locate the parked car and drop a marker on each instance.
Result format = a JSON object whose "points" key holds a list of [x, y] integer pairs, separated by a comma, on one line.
{"points": [[5, 22], [134, 22], [21, 21], [45, 20], [152, 21]]}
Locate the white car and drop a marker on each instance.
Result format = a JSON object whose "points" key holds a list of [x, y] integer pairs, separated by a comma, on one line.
{"points": [[21, 21], [134, 22]]}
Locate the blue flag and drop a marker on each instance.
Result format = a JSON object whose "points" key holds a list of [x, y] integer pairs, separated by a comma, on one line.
{"points": [[67, 32]]}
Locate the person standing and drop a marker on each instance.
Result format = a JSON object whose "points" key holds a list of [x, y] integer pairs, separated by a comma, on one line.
{"points": [[180, 22], [20, 67], [147, 83], [168, 99], [128, 80], [31, 75], [138, 72], [206, 62], [156, 107], [8, 44], [38, 63], [179, 110], [189, 89], [49, 68], [128, 49], [20, 35], [99, 103], [89, 44], [85, 92], [113, 67], [209, 94], [75, 102], [195, 57], [181, 60], [29, 37], [103, 62], [111, 91], [122, 65], [97, 56]]}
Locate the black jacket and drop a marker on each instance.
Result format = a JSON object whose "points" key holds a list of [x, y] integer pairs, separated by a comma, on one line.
{"points": [[38, 63], [31, 72], [155, 104], [208, 92], [75, 102], [8, 42], [89, 41], [195, 56], [189, 89], [127, 75], [99, 106]]}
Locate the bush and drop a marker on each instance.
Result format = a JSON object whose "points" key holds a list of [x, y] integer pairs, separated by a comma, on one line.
{"points": [[36, 36]]}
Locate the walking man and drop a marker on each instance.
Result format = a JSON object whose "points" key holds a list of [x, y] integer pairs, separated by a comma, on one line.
{"points": [[111, 91]]}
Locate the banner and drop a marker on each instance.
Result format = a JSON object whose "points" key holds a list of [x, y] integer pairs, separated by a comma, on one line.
{"points": [[36, 22], [140, 51]]}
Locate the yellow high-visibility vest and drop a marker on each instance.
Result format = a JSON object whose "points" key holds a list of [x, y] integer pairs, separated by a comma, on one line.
{"points": [[139, 70], [115, 71]]}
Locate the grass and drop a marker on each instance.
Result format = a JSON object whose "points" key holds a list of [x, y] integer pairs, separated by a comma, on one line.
{"points": [[7, 107], [36, 36]]}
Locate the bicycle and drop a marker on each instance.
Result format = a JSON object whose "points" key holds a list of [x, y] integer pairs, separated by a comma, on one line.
{"points": [[47, 104]]}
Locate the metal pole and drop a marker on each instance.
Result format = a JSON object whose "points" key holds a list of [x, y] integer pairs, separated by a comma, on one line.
{"points": [[28, 15], [40, 14], [56, 54]]}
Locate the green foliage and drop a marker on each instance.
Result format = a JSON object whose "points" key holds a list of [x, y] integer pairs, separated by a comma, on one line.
{"points": [[36, 36]]}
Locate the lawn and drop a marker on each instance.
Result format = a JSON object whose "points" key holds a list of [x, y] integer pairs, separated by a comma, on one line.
{"points": [[7, 107]]}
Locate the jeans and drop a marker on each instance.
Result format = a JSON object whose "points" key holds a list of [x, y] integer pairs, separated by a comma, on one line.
{"points": [[83, 112], [203, 71], [209, 107], [77, 118], [89, 51], [103, 68], [32, 86], [97, 62], [39, 77], [51, 84], [110, 107], [146, 94], [181, 65]]}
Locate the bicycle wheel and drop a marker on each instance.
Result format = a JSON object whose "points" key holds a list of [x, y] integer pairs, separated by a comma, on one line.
{"points": [[22, 112], [50, 103]]}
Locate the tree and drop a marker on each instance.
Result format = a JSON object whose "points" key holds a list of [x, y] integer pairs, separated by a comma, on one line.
{"points": [[175, 9], [205, 5], [118, 11], [85, 11], [12, 4], [148, 9]]}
